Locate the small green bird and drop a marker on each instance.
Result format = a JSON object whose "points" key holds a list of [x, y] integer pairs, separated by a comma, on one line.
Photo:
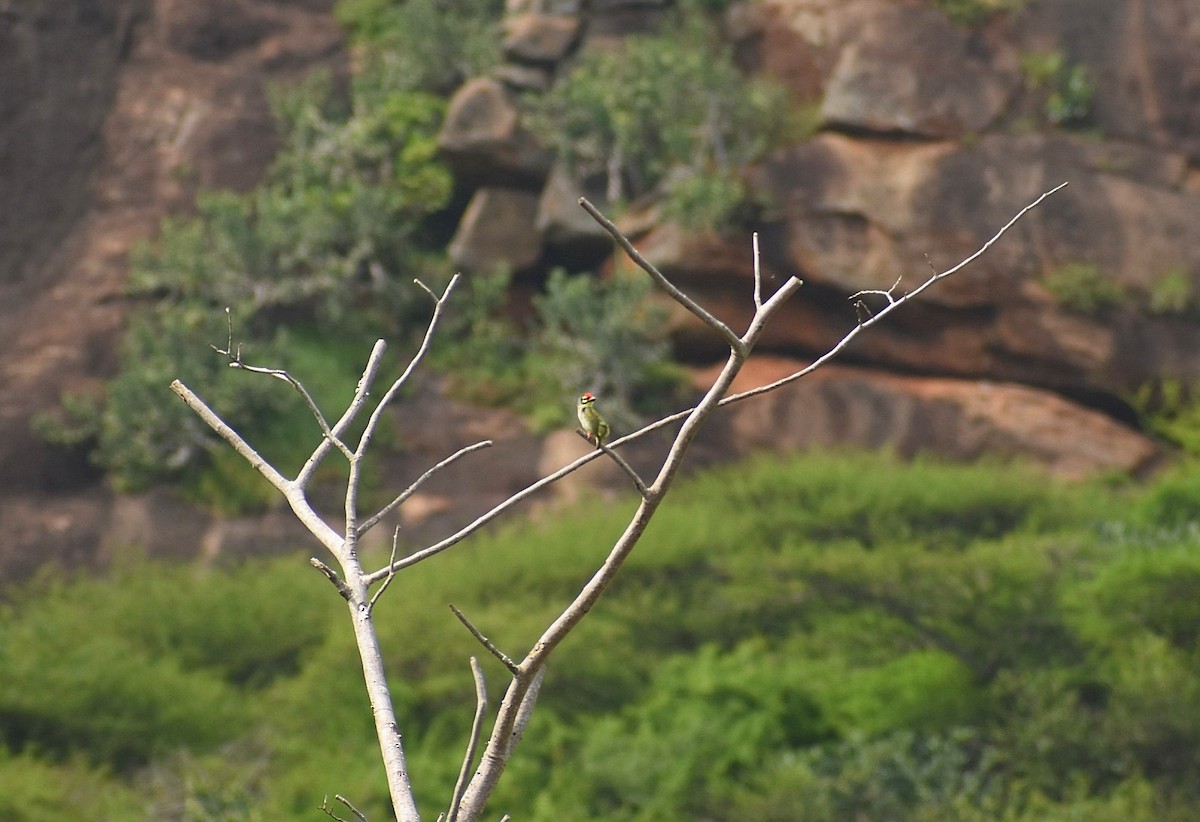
{"points": [[593, 424]]}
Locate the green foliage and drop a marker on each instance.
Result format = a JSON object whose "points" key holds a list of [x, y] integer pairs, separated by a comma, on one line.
{"points": [[1175, 501], [328, 231], [37, 790], [1172, 293], [706, 720], [842, 636], [900, 776], [142, 437], [978, 12], [430, 45], [1083, 288], [132, 667], [601, 335], [669, 109], [327, 243], [606, 336], [1170, 410], [1068, 90]]}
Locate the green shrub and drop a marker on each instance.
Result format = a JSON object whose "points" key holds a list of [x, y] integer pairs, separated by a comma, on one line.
{"points": [[1168, 408], [707, 719], [429, 45], [588, 334], [152, 659], [671, 107], [849, 498], [1172, 293], [1145, 592], [105, 696], [605, 336], [901, 776], [1081, 287], [1068, 91], [36, 790], [978, 12], [328, 241], [771, 649]]}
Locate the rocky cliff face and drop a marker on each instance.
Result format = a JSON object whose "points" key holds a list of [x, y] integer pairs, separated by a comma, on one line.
{"points": [[112, 114], [932, 135]]}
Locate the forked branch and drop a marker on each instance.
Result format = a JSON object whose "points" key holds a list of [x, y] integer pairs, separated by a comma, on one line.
{"points": [[521, 690], [354, 584]]}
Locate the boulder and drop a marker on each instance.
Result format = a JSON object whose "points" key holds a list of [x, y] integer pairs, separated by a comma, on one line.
{"points": [[838, 406], [497, 229], [540, 38], [905, 68], [484, 142], [563, 223]]}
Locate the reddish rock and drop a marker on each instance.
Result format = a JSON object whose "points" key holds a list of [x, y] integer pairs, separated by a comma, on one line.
{"points": [[1141, 57], [838, 406], [138, 126], [905, 68], [497, 230], [564, 224], [482, 138], [540, 38]]}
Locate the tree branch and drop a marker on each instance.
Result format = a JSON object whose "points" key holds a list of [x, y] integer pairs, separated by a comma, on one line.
{"points": [[359, 815], [504, 658], [410, 490], [619, 460], [388, 580], [361, 391], [666, 285], [234, 355], [292, 491], [514, 706], [342, 588], [439, 306], [472, 741], [528, 675]]}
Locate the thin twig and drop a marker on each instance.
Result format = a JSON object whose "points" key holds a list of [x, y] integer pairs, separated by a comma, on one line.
{"points": [[361, 391], [504, 658], [460, 787], [235, 361], [388, 580], [483, 519], [666, 285], [292, 491], [439, 306], [410, 490], [757, 272], [359, 815], [619, 460], [332, 576], [893, 304], [886, 294]]}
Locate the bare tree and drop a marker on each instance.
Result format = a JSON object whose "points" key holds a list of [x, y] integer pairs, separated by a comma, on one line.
{"points": [[361, 588]]}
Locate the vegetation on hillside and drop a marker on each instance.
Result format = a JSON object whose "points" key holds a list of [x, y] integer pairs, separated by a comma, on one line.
{"points": [[304, 271], [668, 113], [844, 637]]}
